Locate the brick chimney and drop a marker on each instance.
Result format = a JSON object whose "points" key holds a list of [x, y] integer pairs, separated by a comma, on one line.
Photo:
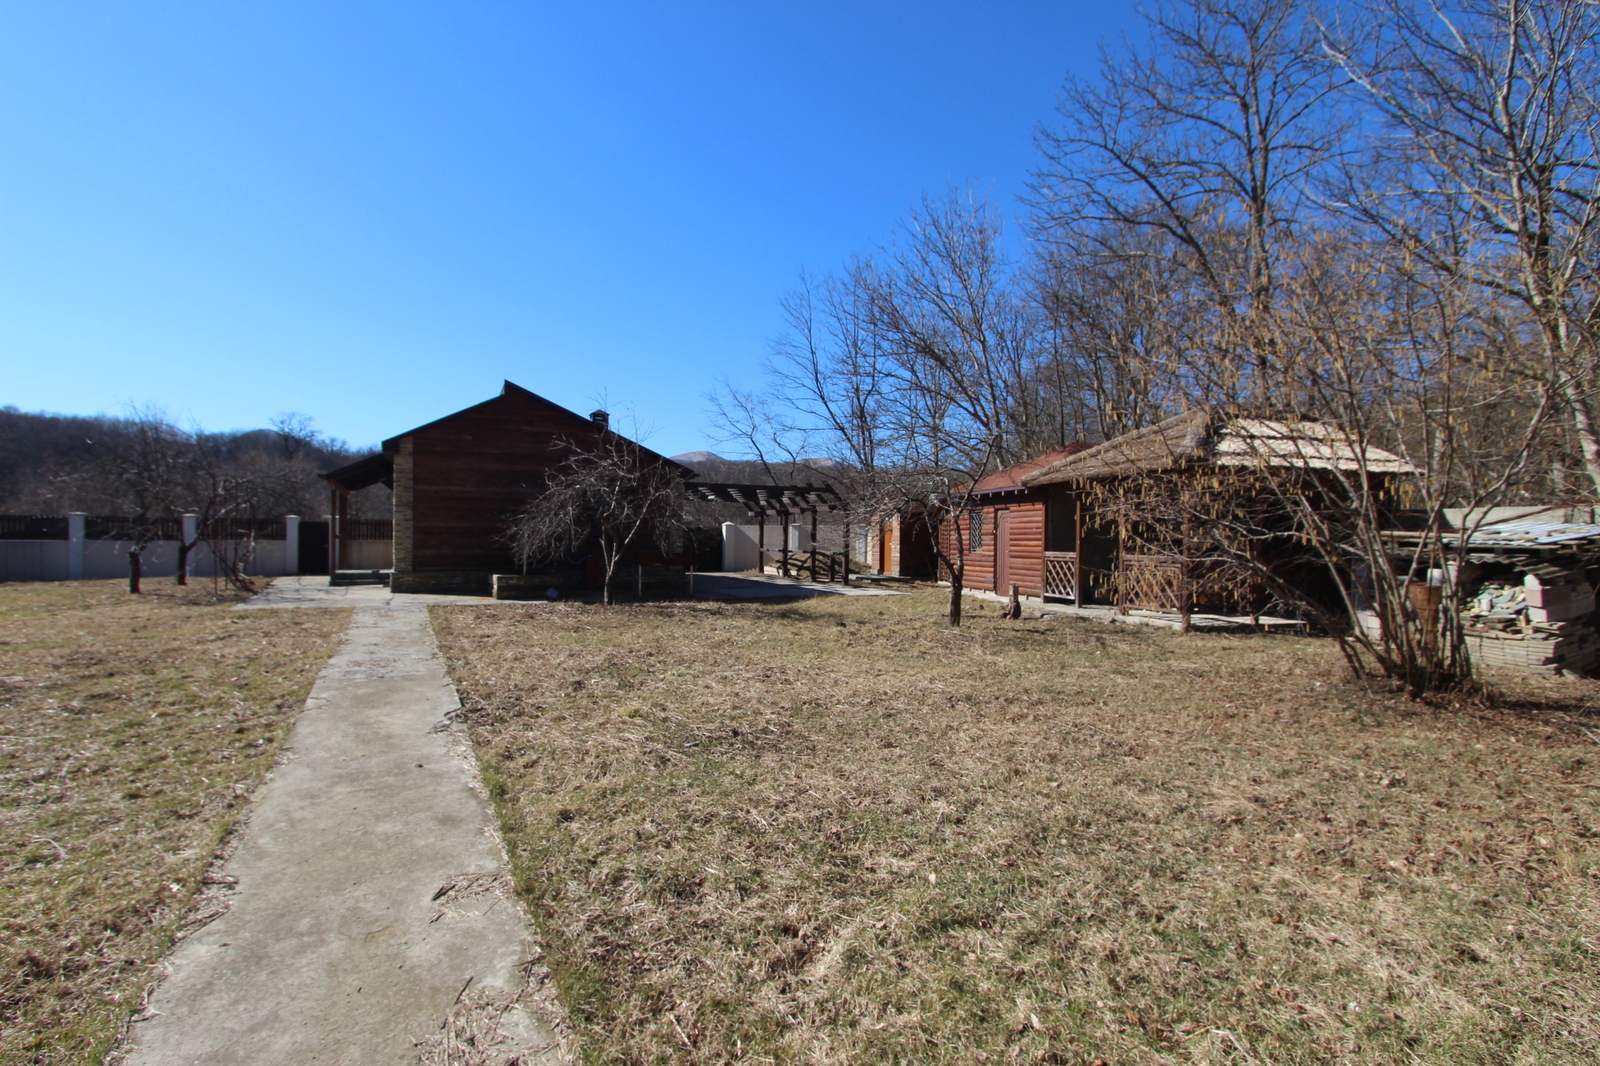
{"points": [[601, 419]]}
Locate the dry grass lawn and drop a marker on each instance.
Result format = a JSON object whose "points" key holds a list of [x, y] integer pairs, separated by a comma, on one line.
{"points": [[837, 832], [132, 728]]}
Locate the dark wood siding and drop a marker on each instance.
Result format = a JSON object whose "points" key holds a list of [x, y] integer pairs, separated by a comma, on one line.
{"points": [[472, 470]]}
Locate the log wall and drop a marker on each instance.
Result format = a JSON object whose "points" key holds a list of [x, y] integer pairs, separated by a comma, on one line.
{"points": [[1026, 518]]}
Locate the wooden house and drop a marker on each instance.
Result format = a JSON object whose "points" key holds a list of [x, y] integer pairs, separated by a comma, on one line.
{"points": [[1091, 559], [458, 479], [1010, 535], [900, 543]]}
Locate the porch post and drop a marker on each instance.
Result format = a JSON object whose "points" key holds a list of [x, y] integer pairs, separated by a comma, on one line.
{"points": [[1185, 581], [1118, 576], [1077, 566], [847, 546], [333, 531], [813, 544], [761, 541]]}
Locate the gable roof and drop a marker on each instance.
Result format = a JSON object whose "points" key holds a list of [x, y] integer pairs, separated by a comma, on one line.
{"points": [[1205, 437], [380, 467], [1010, 478], [510, 390]]}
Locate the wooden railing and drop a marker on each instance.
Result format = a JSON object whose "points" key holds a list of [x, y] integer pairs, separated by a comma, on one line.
{"points": [[814, 564], [1151, 582], [1061, 574], [1156, 583], [366, 528]]}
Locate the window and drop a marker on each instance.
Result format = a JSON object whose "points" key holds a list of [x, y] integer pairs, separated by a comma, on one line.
{"points": [[975, 531]]}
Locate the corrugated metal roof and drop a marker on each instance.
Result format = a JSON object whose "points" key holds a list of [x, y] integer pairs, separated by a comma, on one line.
{"points": [[1534, 533]]}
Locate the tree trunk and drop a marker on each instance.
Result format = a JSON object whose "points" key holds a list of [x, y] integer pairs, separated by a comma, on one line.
{"points": [[184, 548], [1588, 434], [134, 565], [958, 569]]}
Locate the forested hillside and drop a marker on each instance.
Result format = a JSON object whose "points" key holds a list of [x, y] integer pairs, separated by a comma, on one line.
{"points": [[146, 464]]}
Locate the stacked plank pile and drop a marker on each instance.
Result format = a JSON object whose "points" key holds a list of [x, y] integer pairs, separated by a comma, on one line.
{"points": [[1542, 625]]}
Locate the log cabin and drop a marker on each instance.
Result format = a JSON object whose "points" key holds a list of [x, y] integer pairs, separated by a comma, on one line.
{"points": [[1092, 559], [458, 479], [1010, 534]]}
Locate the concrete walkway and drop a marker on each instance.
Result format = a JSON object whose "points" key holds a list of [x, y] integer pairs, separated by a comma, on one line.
{"points": [[314, 591], [369, 919]]}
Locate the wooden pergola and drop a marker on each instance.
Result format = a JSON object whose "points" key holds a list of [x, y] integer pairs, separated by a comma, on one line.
{"points": [[786, 503]]}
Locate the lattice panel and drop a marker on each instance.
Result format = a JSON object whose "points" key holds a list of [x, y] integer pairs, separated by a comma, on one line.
{"points": [[1061, 575], [1151, 584]]}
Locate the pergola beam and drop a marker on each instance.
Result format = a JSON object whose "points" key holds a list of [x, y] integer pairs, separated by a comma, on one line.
{"points": [[781, 500]]}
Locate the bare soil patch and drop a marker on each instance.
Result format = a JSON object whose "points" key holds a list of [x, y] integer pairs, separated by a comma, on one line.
{"points": [[132, 731], [836, 832]]}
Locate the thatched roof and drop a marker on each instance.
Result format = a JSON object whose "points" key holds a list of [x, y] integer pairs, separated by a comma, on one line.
{"points": [[1205, 437]]}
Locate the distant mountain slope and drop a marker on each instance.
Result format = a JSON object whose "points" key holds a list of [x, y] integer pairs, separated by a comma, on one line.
{"points": [[698, 457]]}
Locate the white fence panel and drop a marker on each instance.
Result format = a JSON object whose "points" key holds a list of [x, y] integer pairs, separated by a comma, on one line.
{"points": [[741, 543]]}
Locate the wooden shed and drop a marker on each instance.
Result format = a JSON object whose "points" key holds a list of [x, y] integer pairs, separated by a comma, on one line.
{"points": [[1100, 563], [1011, 534], [458, 479], [900, 542]]}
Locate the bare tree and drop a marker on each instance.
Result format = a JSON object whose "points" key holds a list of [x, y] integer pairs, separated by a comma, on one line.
{"points": [[1117, 317], [609, 497], [1206, 140], [1488, 168], [916, 370]]}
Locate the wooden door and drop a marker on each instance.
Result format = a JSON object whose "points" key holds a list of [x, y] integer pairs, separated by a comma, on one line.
{"points": [[1002, 552], [313, 547]]}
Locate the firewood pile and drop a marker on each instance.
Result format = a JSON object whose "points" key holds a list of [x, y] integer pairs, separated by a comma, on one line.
{"points": [[1542, 624]]}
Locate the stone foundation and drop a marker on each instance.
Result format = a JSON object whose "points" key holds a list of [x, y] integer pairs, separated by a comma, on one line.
{"points": [[448, 582]]}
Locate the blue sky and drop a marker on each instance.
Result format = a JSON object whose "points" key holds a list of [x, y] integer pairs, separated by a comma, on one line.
{"points": [[373, 213]]}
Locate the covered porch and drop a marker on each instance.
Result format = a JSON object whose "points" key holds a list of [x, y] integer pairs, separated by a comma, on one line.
{"points": [[360, 550]]}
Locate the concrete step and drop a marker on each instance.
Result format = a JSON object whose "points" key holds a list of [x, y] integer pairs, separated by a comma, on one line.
{"points": [[360, 577]]}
